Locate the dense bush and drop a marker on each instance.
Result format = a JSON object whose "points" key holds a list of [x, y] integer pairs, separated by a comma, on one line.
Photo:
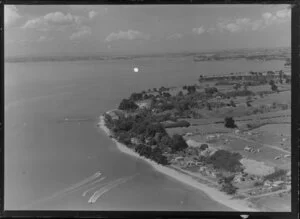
{"points": [[181, 123], [225, 82], [240, 93], [191, 89], [229, 122], [210, 90], [237, 86], [124, 138], [179, 143], [127, 105], [226, 160], [136, 96], [232, 103], [228, 188], [203, 147], [152, 129], [124, 124], [279, 174], [273, 86]]}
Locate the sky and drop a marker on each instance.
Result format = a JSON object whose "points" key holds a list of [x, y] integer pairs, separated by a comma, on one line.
{"points": [[142, 29]]}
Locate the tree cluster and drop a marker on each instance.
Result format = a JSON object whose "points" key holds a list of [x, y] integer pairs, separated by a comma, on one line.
{"points": [[225, 160]]}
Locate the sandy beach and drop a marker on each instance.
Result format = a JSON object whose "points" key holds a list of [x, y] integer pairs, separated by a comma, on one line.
{"points": [[216, 195]]}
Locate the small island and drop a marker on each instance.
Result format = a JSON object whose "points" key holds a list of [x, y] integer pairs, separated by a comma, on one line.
{"points": [[227, 135]]}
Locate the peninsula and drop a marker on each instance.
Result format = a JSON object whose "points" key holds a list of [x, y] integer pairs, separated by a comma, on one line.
{"points": [[228, 136]]}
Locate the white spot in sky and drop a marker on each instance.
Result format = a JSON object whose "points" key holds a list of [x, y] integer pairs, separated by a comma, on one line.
{"points": [[135, 69]]}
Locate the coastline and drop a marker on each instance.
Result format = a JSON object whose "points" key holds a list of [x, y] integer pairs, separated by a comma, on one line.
{"points": [[213, 193]]}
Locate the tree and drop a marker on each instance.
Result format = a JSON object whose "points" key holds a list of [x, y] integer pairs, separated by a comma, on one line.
{"points": [[180, 94], [203, 147], [248, 101], [191, 89], [136, 96], [281, 76], [237, 86], [166, 141], [273, 86], [208, 105], [232, 103], [127, 105], [226, 160], [179, 143], [210, 90], [229, 122], [152, 129], [228, 188], [144, 150]]}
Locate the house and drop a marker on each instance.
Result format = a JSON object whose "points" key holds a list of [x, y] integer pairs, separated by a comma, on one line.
{"points": [[267, 183], [276, 158], [179, 158], [115, 114], [202, 169], [248, 149], [238, 178], [278, 183], [237, 131], [192, 143], [190, 163], [135, 141], [210, 137], [145, 104]]}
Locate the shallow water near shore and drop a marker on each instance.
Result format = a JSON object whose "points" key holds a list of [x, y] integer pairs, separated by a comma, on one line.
{"points": [[46, 157]]}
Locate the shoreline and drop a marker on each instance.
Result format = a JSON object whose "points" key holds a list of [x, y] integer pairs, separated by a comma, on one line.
{"points": [[214, 194]]}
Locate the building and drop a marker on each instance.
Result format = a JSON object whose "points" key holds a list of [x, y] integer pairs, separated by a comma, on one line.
{"points": [[248, 149], [135, 141]]}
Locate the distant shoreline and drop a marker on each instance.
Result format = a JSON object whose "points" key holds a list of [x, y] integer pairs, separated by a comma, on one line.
{"points": [[214, 194]]}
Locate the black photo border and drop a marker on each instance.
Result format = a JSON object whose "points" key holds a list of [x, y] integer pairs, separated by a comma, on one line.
{"points": [[295, 123]]}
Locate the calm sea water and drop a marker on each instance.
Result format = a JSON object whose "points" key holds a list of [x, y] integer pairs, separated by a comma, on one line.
{"points": [[45, 155]]}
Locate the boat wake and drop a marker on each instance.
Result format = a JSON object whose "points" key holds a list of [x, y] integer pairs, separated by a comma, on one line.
{"points": [[96, 195], [73, 188], [103, 187]]}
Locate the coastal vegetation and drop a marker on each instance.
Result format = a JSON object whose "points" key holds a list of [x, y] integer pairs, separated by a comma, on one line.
{"points": [[160, 124]]}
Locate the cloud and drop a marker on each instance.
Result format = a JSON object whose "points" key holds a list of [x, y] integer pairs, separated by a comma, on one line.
{"points": [[44, 39], [54, 21], [247, 24], [127, 35], [285, 13], [278, 17], [236, 25], [82, 32], [92, 14], [199, 30], [11, 15], [211, 30], [175, 36]]}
